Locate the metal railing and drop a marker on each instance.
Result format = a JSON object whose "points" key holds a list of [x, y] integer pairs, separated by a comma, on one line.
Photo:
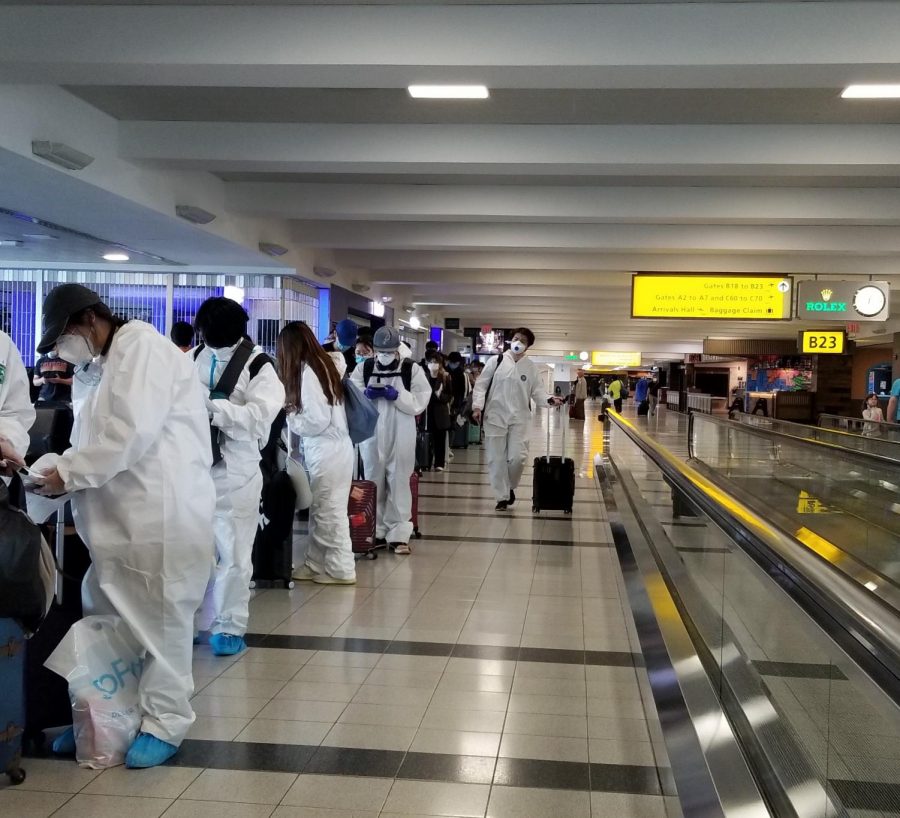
{"points": [[848, 438], [858, 426], [749, 592]]}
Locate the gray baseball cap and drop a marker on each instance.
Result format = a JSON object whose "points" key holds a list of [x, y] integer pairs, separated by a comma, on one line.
{"points": [[60, 305], [387, 339]]}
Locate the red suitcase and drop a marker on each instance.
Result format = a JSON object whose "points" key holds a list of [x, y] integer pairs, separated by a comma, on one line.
{"points": [[361, 508], [414, 488]]}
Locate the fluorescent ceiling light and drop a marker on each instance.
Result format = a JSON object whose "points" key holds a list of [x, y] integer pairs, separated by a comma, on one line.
{"points": [[414, 322], [448, 91], [116, 257], [871, 92]]}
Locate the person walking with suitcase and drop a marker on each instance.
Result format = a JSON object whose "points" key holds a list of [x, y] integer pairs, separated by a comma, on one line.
{"points": [[581, 393], [315, 404], [401, 392], [503, 395], [244, 397]]}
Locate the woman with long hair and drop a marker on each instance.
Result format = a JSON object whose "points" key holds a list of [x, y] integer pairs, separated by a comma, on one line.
{"points": [[315, 406], [437, 418]]}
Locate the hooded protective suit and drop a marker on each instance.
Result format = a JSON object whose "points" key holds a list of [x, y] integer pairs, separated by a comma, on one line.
{"points": [[328, 454], [390, 457], [16, 411], [245, 420], [143, 503], [513, 386]]}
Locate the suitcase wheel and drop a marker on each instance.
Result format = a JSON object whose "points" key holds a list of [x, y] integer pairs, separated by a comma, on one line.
{"points": [[535, 510], [567, 511], [16, 776], [290, 585], [252, 583], [371, 555], [417, 534]]}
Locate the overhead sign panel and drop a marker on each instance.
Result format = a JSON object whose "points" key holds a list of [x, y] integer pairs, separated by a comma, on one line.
{"points": [[615, 359], [822, 342], [843, 300], [729, 297]]}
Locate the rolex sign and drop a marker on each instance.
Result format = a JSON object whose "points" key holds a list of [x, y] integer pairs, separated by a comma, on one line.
{"points": [[843, 300]]}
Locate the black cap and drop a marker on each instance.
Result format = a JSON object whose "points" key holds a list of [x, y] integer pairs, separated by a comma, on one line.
{"points": [[62, 303]]}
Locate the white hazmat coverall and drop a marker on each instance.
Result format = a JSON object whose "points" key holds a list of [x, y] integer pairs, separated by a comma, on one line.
{"points": [[328, 455], [245, 420], [513, 386], [143, 504], [16, 411], [390, 456]]}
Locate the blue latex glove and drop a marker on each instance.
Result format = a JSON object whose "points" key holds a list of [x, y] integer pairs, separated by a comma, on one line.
{"points": [[390, 393], [373, 394]]}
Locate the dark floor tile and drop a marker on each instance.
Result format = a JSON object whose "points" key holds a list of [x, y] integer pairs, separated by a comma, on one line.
{"points": [[260, 640], [450, 768], [551, 655], [616, 658], [552, 775], [355, 645], [421, 648], [351, 761], [484, 652], [798, 670], [690, 549], [243, 755], [625, 778], [868, 795]]}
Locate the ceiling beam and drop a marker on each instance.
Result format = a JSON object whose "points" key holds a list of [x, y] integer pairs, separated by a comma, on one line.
{"points": [[744, 150], [579, 45], [608, 205]]}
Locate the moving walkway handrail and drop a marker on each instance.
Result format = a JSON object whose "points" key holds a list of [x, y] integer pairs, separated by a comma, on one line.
{"points": [[869, 459], [881, 426], [865, 627], [804, 430]]}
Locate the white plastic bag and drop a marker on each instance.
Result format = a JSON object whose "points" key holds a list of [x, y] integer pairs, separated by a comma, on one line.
{"points": [[102, 662]]}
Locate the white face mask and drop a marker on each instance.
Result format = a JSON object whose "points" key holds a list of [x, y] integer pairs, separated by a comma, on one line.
{"points": [[386, 358], [434, 368], [75, 349], [517, 347]]}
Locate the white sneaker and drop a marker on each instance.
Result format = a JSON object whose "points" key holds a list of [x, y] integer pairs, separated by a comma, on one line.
{"points": [[304, 574], [439, 468], [326, 579]]}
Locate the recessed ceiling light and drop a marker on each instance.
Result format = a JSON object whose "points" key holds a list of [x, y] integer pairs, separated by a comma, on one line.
{"points": [[39, 236], [116, 257], [448, 91], [871, 92]]}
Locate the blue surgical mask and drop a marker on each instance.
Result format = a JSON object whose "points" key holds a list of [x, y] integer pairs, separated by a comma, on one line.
{"points": [[454, 367], [361, 359]]}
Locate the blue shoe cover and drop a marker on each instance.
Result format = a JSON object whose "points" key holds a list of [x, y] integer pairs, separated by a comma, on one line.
{"points": [[226, 644], [64, 743], [149, 751]]}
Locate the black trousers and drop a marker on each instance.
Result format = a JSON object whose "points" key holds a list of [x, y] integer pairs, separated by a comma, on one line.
{"points": [[617, 405], [439, 448]]}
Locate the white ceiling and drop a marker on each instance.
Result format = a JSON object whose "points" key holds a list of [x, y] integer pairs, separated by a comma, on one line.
{"points": [[620, 137]]}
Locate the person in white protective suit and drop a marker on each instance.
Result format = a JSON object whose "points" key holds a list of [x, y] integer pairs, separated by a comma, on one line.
{"points": [[16, 411], [400, 390], [315, 406], [502, 395], [243, 415], [142, 497]]}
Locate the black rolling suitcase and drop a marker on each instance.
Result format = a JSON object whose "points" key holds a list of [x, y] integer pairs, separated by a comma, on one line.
{"points": [[47, 704], [554, 479], [459, 437], [643, 408], [12, 703], [424, 457]]}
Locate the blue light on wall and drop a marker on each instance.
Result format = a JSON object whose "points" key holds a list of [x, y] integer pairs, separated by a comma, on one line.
{"points": [[324, 312], [437, 335]]}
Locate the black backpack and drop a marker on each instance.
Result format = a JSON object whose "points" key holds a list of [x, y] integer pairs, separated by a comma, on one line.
{"points": [[228, 381], [405, 373]]}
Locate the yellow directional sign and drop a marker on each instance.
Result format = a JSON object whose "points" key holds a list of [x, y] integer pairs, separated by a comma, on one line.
{"points": [[602, 358], [731, 297], [822, 342]]}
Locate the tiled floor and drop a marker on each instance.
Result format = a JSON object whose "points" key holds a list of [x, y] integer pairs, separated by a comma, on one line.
{"points": [[492, 673]]}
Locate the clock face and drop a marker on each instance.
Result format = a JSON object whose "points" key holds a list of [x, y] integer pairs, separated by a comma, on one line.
{"points": [[869, 300]]}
